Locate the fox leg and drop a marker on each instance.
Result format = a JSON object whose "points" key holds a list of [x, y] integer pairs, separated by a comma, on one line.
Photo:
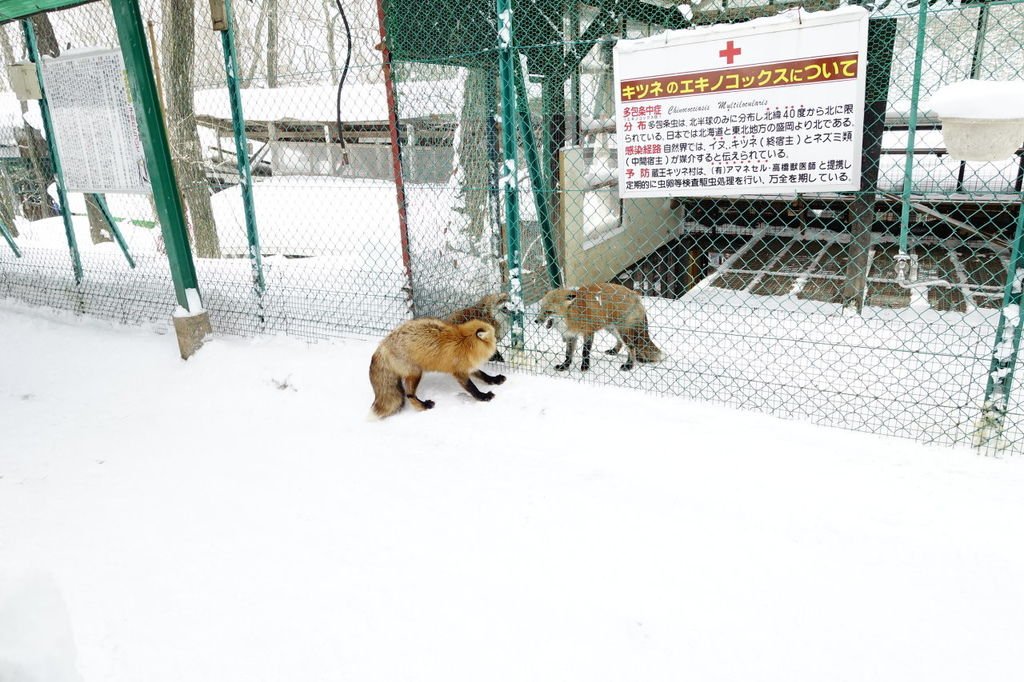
{"points": [[618, 341], [630, 360], [588, 343], [471, 388], [401, 391], [412, 382], [570, 350], [488, 378]]}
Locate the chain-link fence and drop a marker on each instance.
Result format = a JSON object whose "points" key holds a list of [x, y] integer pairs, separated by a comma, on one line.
{"points": [[462, 149]]}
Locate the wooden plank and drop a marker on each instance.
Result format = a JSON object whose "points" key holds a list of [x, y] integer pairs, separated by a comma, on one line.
{"points": [[313, 131]]}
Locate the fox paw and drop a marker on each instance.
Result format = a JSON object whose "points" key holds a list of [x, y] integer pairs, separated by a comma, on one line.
{"points": [[427, 404], [562, 367], [498, 379], [612, 351], [585, 366], [486, 396], [626, 367]]}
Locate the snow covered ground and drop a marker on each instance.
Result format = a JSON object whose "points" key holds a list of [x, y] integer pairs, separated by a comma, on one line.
{"points": [[237, 517]]}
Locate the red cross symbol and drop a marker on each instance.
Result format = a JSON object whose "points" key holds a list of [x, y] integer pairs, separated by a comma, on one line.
{"points": [[729, 52]]}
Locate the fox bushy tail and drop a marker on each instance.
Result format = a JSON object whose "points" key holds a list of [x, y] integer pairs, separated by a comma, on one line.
{"points": [[388, 394]]}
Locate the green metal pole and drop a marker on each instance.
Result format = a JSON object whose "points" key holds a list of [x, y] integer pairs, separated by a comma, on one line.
{"points": [[227, 41], [51, 142], [158, 153], [538, 178], [493, 152], [1006, 348], [507, 65], [902, 263], [575, 93], [101, 203], [10, 240]]}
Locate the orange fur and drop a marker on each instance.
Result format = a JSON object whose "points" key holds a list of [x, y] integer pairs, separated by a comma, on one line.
{"points": [[591, 308], [428, 345]]}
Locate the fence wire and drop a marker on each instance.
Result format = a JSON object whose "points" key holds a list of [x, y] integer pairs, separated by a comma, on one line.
{"points": [[799, 305]]}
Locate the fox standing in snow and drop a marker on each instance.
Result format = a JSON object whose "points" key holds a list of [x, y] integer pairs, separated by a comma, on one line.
{"points": [[492, 309], [583, 311], [429, 345]]}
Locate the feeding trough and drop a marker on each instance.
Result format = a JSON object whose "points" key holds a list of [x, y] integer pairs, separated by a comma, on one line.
{"points": [[981, 120]]}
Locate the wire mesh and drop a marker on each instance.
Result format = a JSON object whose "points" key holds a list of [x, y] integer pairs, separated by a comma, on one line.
{"points": [[802, 305]]}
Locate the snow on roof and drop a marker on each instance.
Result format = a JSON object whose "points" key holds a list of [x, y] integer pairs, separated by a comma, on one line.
{"points": [[979, 99], [360, 102]]}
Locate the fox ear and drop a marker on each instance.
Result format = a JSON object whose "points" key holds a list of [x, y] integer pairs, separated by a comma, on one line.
{"points": [[571, 296], [481, 334]]}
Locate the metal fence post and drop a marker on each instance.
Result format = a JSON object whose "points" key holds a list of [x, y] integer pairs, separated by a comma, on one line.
{"points": [[1005, 349], [538, 178], [396, 155], [903, 260], [9, 238], [227, 41], [158, 153], [101, 203], [507, 63], [493, 153], [51, 143], [193, 327]]}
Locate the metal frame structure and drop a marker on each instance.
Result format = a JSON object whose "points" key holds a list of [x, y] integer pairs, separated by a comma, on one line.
{"points": [[145, 97]]}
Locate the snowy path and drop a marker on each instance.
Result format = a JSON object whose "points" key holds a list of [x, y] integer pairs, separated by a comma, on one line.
{"points": [[236, 517]]}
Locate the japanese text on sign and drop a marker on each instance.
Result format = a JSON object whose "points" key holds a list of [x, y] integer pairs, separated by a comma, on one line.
{"points": [[758, 110], [815, 70], [96, 131]]}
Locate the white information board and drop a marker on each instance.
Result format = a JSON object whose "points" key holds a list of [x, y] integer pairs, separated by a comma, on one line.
{"points": [[774, 105], [94, 121]]}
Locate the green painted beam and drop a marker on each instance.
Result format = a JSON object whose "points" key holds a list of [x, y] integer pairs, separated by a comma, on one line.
{"points": [[1005, 350], [101, 203], [227, 38], [508, 62], [539, 171], [153, 134], [902, 264], [19, 9], [51, 143], [9, 238], [600, 27]]}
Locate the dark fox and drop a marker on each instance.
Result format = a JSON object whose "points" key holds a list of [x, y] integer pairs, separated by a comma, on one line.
{"points": [[588, 309], [429, 345], [493, 309]]}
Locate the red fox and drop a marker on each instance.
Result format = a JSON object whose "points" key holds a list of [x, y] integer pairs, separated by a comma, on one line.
{"points": [[583, 311], [429, 345], [493, 309]]}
